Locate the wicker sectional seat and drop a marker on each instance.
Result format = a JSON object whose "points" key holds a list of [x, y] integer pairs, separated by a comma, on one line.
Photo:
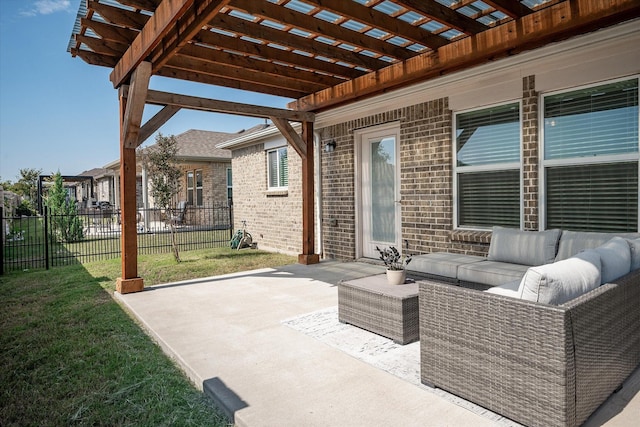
{"points": [[511, 253], [540, 362]]}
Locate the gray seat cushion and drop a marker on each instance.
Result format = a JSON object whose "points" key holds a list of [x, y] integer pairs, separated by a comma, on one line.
{"points": [[441, 263], [572, 242], [523, 247], [492, 273]]}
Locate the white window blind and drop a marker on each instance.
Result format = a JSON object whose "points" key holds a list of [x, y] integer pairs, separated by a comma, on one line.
{"points": [[488, 167], [278, 167], [591, 158]]}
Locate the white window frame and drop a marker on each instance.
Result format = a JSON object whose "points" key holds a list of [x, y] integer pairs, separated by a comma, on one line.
{"points": [[576, 161], [278, 156], [484, 168]]}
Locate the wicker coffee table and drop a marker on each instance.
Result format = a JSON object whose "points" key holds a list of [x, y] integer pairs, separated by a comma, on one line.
{"points": [[389, 310]]}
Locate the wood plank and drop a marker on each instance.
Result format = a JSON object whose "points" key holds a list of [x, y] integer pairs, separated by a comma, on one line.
{"points": [[256, 66], [93, 58], [187, 26], [116, 15], [551, 24], [444, 15], [110, 32], [514, 9], [154, 123], [380, 20], [176, 73], [216, 106], [104, 47], [324, 28], [282, 38], [164, 20], [275, 54], [291, 136], [136, 97]]}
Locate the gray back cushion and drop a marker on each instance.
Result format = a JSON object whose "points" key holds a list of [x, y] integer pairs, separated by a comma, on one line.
{"points": [[573, 242], [523, 247]]}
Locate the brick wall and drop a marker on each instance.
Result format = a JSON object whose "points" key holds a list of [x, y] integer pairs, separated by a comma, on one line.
{"points": [[530, 153], [426, 183], [214, 181], [274, 219]]}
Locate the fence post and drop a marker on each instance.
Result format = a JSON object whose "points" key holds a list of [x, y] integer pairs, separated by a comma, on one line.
{"points": [[46, 237], [230, 219], [2, 240]]}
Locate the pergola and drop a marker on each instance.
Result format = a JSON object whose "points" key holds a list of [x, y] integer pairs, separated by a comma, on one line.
{"points": [[320, 53]]}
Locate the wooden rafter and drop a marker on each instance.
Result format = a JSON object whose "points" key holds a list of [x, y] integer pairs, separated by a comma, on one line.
{"points": [[171, 25], [320, 26], [264, 51], [225, 60], [364, 14], [554, 23], [263, 32], [444, 15], [514, 9]]}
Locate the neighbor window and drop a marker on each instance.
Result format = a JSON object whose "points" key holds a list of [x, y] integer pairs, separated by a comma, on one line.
{"points": [[278, 168], [487, 167], [229, 184], [590, 160], [194, 187]]}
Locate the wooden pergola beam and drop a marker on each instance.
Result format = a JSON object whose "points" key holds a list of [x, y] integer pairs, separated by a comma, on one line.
{"points": [[154, 123], [178, 20], [215, 106], [514, 9], [539, 28], [291, 136]]}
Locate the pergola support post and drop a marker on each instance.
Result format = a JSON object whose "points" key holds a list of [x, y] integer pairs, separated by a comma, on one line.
{"points": [[308, 206], [131, 108]]}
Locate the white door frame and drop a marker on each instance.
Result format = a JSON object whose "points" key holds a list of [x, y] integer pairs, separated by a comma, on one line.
{"points": [[360, 136]]}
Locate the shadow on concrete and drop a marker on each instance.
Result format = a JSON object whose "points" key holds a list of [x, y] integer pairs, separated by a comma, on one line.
{"points": [[223, 397]]}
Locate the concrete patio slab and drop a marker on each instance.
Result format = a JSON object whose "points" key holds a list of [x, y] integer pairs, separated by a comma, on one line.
{"points": [[230, 335]]}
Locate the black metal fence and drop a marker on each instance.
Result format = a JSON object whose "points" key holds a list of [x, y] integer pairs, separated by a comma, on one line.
{"points": [[48, 240]]}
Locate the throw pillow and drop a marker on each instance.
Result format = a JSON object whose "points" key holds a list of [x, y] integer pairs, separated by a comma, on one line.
{"points": [[616, 259], [635, 253], [523, 247], [564, 280]]}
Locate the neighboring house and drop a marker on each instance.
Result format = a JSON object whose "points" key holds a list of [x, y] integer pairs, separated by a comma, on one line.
{"points": [[100, 188], [267, 189], [539, 140], [543, 139], [206, 170]]}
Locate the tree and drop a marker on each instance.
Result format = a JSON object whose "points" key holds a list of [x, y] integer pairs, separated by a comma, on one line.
{"points": [[27, 186], [161, 165], [65, 222]]}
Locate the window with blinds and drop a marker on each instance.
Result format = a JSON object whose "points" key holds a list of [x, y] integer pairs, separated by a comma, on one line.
{"points": [[278, 168], [194, 188], [487, 167], [591, 158]]}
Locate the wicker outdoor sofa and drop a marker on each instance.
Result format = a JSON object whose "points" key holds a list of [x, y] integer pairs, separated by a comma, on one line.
{"points": [[539, 364]]}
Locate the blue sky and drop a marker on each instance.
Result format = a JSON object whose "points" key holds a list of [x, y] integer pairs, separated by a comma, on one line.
{"points": [[60, 113]]}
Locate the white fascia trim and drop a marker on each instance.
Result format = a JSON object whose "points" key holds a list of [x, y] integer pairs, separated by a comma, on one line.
{"points": [[403, 97], [253, 138]]}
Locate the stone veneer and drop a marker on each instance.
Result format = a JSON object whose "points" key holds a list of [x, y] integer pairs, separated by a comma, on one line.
{"points": [[426, 179], [274, 219]]}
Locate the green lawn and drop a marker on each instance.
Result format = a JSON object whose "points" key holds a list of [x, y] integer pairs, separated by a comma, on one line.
{"points": [[71, 355]]}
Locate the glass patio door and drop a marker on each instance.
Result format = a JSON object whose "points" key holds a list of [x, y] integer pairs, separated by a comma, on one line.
{"points": [[380, 192]]}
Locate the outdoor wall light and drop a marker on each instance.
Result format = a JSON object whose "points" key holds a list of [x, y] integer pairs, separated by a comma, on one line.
{"points": [[330, 146]]}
